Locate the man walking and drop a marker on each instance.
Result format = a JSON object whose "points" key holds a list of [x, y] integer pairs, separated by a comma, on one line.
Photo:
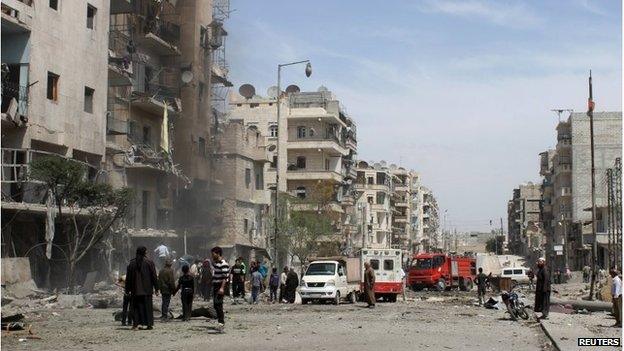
{"points": [[481, 281], [542, 289], [274, 282], [141, 282], [205, 279], [220, 275], [616, 295], [282, 294], [369, 284], [186, 285], [166, 283]]}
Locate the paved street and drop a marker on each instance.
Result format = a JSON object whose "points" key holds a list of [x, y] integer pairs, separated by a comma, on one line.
{"points": [[416, 324]]}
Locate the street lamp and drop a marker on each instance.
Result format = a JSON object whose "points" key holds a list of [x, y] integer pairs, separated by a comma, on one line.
{"points": [[308, 73]]}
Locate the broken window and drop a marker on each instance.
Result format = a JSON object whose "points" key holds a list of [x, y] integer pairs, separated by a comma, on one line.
{"points": [[381, 198], [274, 162], [91, 16], [301, 132], [301, 162], [247, 177], [374, 264], [301, 192], [370, 199], [371, 180], [360, 178], [273, 131], [144, 208], [88, 99], [147, 135], [54, 4], [52, 91]]}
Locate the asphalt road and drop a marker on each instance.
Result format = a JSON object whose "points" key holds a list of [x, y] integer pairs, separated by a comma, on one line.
{"points": [[451, 324]]}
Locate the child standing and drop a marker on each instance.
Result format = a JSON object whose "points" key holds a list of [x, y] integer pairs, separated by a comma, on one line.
{"points": [[186, 283], [256, 285]]}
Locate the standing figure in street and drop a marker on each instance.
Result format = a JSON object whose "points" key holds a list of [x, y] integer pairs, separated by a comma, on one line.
{"points": [[274, 282], [256, 285], [166, 283], [125, 316], [542, 289], [162, 253], [531, 276], [586, 271], [186, 286], [194, 272], [238, 280], [292, 282], [616, 295], [481, 281], [282, 294], [220, 275], [205, 279], [369, 284], [141, 282]]}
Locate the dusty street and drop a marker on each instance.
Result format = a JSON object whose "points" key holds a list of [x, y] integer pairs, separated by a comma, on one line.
{"points": [[416, 324]]}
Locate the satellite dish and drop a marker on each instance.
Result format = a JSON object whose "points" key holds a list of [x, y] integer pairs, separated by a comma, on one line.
{"points": [[272, 148], [187, 77], [272, 92], [383, 163], [247, 91], [322, 88], [292, 89]]}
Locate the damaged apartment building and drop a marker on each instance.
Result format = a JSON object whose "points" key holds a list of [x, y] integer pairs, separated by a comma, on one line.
{"points": [[54, 74], [161, 119], [317, 144], [111, 85], [566, 189]]}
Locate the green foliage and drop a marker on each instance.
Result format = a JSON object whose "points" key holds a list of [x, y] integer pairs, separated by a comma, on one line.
{"points": [[491, 244]]}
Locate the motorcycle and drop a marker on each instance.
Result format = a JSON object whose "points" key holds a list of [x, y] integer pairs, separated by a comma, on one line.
{"points": [[515, 306]]}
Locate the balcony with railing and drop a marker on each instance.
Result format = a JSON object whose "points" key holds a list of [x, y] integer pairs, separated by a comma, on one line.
{"points": [[14, 102], [16, 17]]}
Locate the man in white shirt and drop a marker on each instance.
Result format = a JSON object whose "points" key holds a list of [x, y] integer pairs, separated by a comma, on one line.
{"points": [[282, 294], [616, 294], [162, 253]]}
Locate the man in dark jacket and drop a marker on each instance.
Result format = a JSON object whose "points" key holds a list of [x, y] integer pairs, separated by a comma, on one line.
{"points": [[481, 281], [542, 289], [369, 284], [166, 283], [292, 281], [141, 282]]}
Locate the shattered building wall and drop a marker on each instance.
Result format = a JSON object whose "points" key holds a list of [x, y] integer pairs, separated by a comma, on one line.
{"points": [[53, 103]]}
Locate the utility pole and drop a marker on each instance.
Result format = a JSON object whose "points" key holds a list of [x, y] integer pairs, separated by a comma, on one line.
{"points": [[502, 234], [590, 113]]}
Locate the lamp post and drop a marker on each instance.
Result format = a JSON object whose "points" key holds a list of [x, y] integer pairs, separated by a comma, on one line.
{"points": [[308, 73]]}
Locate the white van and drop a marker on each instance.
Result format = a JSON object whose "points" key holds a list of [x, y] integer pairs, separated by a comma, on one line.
{"points": [[331, 279], [518, 275]]}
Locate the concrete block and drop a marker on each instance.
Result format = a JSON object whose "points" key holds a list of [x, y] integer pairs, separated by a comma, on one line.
{"points": [[71, 301], [22, 289], [15, 270]]}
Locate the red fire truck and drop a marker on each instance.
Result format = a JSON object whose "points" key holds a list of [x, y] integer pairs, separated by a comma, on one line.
{"points": [[441, 272]]}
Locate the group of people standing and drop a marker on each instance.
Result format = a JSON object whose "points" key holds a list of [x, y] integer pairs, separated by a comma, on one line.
{"points": [[142, 283]]}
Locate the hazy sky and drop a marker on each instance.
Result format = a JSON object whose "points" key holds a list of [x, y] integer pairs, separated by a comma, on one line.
{"points": [[460, 91]]}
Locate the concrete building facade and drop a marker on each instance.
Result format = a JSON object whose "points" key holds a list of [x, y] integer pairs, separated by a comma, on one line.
{"points": [[431, 221], [374, 187], [54, 69], [569, 175], [524, 222]]}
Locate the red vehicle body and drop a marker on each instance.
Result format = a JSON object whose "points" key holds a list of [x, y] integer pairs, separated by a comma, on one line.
{"points": [[441, 272]]}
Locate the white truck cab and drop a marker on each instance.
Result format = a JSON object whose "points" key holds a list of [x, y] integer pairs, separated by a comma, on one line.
{"points": [[326, 279]]}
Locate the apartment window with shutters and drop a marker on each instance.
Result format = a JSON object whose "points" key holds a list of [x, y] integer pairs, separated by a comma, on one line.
{"points": [[247, 177], [381, 198], [273, 131], [52, 90], [88, 99], [54, 4], [301, 132], [274, 162], [91, 16]]}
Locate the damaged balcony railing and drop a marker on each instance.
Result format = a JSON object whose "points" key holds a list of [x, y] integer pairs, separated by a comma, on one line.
{"points": [[144, 155], [11, 90]]}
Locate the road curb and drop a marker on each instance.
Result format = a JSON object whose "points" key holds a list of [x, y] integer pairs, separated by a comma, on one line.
{"points": [[549, 336]]}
